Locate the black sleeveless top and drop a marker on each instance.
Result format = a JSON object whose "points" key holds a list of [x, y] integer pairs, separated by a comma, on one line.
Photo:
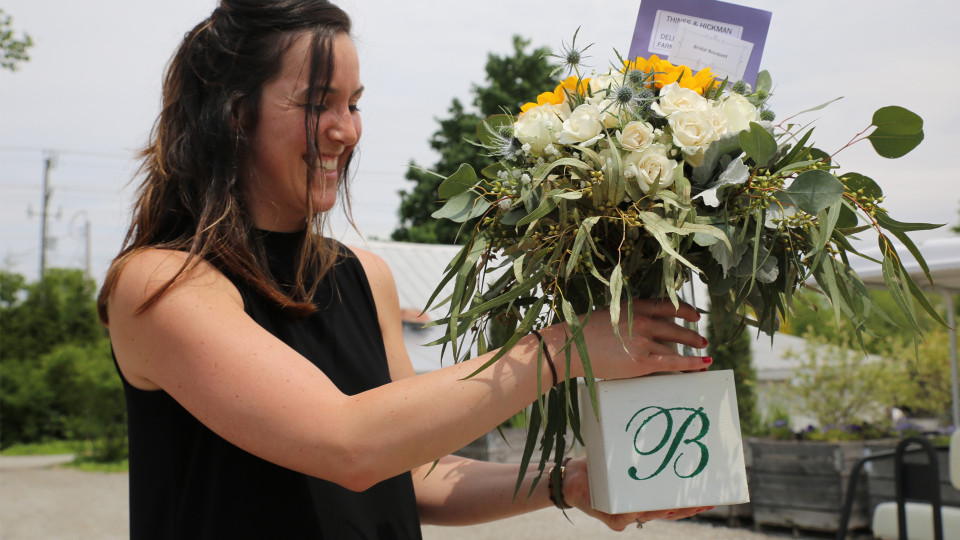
{"points": [[187, 482]]}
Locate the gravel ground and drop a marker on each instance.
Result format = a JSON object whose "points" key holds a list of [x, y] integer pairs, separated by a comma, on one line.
{"points": [[39, 500]]}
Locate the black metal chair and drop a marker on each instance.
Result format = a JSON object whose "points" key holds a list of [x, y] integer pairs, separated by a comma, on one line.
{"points": [[914, 482]]}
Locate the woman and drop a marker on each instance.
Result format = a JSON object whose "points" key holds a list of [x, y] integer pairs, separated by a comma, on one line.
{"points": [[269, 392]]}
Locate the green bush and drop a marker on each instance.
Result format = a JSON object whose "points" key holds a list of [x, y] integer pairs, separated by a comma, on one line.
{"points": [[851, 395], [839, 386], [90, 398], [57, 378]]}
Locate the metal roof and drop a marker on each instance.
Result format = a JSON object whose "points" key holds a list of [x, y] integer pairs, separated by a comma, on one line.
{"points": [[417, 270]]}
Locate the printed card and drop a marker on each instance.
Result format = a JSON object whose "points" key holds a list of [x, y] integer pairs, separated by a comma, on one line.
{"points": [[660, 22], [726, 57]]}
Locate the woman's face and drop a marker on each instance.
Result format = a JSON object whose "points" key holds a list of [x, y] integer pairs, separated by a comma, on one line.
{"points": [[274, 174]]}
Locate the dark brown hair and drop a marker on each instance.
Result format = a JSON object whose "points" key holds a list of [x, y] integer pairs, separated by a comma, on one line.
{"points": [[190, 198]]}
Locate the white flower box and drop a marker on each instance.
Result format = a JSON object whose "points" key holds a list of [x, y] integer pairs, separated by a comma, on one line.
{"points": [[664, 441]]}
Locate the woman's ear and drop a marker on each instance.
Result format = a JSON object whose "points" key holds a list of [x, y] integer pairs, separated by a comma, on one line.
{"points": [[242, 118]]}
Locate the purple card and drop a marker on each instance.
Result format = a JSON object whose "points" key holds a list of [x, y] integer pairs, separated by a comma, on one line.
{"points": [[659, 21]]}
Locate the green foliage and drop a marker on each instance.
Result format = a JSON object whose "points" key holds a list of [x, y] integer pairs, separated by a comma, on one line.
{"points": [[888, 328], [48, 448], [89, 395], [923, 388], [59, 381], [729, 345], [775, 424], [840, 387], [898, 131], [13, 50], [576, 215], [36, 317], [511, 81]]}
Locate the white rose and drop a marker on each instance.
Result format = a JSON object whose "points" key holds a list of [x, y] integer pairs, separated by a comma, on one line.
{"points": [[608, 111], [674, 99], [537, 127], [602, 85], [693, 132], [583, 127], [739, 112], [718, 120], [650, 167], [636, 136]]}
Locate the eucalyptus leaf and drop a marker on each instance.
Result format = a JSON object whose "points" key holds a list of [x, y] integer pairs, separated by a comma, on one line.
{"points": [[736, 173], [547, 205], [463, 207], [764, 81], [512, 217], [515, 292], [893, 145], [545, 169], [728, 143], [616, 290], [887, 222], [897, 121], [729, 255], [583, 236], [492, 171], [458, 182], [758, 144], [812, 191], [856, 181], [614, 181], [821, 106]]}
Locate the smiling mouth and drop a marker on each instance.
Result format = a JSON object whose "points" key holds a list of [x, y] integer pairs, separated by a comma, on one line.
{"points": [[329, 164]]}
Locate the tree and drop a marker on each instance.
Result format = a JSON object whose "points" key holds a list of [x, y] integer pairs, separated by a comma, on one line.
{"points": [[36, 317], [511, 81], [13, 50], [58, 378]]}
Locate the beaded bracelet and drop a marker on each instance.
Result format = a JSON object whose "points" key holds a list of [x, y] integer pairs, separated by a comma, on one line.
{"points": [[555, 484], [546, 353]]}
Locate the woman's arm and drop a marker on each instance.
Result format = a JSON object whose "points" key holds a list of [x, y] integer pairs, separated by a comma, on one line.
{"points": [[197, 343], [461, 491]]}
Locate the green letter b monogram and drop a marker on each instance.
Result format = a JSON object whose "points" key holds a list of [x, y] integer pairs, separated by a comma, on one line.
{"points": [[649, 414]]}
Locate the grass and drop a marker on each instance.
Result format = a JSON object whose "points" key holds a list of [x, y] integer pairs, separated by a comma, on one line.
{"points": [[49, 448], [80, 449]]}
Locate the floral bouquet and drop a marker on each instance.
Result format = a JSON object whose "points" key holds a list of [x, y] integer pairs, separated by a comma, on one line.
{"points": [[631, 182]]}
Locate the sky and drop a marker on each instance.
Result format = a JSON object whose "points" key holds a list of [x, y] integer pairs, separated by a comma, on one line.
{"points": [[90, 93]]}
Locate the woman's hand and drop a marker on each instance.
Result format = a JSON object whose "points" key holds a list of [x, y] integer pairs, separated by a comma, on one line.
{"points": [[576, 493], [648, 342]]}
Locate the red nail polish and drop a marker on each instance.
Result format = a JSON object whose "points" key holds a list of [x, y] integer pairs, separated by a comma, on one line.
{"points": [[707, 359], [704, 369], [705, 342]]}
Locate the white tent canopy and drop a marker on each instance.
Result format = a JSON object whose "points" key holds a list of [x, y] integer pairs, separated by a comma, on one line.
{"points": [[943, 259]]}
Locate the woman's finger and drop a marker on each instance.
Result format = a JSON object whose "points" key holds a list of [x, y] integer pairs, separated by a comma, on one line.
{"points": [[675, 362], [669, 331], [665, 308]]}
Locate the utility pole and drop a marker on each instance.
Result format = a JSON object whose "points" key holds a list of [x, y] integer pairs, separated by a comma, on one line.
{"points": [[49, 162], [86, 235]]}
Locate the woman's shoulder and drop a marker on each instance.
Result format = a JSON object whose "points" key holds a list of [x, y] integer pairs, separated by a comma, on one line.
{"points": [[377, 271], [168, 272], [371, 262]]}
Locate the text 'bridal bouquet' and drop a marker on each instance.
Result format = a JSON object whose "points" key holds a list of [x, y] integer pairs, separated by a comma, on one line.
{"points": [[631, 182]]}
